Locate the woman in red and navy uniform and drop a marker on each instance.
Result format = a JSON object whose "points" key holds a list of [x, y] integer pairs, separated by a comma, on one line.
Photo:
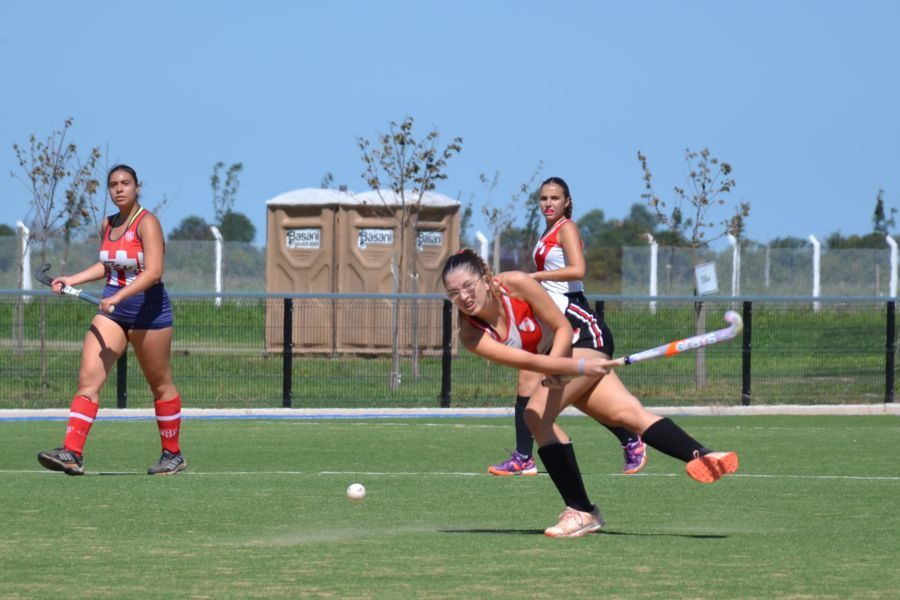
{"points": [[517, 324], [560, 268], [134, 309]]}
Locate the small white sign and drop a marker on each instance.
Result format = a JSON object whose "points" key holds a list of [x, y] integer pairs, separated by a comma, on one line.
{"points": [[706, 279], [429, 238], [382, 237], [303, 238]]}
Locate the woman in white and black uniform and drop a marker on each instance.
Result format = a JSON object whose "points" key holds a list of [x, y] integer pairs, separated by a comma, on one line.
{"points": [[560, 268]]}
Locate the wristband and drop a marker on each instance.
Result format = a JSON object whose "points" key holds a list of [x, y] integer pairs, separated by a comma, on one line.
{"points": [[581, 362]]}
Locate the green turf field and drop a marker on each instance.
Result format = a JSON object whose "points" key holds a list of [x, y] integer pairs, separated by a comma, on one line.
{"points": [[261, 512]]}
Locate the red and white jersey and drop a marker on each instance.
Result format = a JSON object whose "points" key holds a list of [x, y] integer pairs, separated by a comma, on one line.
{"points": [[124, 256], [523, 329], [549, 255]]}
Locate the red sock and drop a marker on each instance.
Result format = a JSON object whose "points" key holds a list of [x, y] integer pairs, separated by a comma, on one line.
{"points": [[81, 416], [168, 419]]}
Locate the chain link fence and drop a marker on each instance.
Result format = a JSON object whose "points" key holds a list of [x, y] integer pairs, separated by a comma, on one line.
{"points": [[762, 271], [224, 357]]}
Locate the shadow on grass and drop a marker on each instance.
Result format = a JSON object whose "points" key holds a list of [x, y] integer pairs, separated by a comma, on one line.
{"points": [[695, 536]]}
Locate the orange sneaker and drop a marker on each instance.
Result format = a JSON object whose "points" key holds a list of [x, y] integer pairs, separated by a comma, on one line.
{"points": [[710, 467], [575, 523]]}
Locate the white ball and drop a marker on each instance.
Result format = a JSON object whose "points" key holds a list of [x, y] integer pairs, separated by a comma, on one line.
{"points": [[356, 492]]}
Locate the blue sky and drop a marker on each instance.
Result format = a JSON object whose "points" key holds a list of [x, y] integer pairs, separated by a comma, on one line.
{"points": [[800, 97]]}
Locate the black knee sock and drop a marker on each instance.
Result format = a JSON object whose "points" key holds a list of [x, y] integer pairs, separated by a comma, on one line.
{"points": [[669, 438], [623, 434], [524, 439], [559, 460]]}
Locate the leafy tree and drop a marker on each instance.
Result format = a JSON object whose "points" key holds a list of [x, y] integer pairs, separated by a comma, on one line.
{"points": [[465, 223], [192, 228], [709, 181], [881, 226], [882, 223], [409, 167], [6, 229], [61, 186], [236, 227], [518, 245], [604, 242], [836, 241], [788, 242], [224, 193]]}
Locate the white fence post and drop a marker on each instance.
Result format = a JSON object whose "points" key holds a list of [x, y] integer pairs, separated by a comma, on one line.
{"points": [[24, 257], [893, 244], [482, 246], [218, 237], [817, 271], [735, 266], [654, 271]]}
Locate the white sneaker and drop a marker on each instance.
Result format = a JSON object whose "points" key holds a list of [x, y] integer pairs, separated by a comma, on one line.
{"points": [[575, 523]]}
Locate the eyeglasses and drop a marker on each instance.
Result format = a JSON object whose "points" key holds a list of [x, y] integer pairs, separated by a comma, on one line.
{"points": [[468, 287]]}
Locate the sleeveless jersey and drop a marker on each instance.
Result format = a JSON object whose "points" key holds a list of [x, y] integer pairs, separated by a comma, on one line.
{"points": [[124, 256], [548, 255], [523, 329]]}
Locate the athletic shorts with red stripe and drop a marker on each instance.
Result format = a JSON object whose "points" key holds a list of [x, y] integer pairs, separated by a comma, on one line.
{"points": [[590, 331]]}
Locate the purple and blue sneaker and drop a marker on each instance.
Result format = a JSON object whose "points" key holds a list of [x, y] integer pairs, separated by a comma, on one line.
{"points": [[635, 456], [516, 464]]}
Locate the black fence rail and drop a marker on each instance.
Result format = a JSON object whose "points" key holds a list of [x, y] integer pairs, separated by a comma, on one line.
{"points": [[360, 351]]}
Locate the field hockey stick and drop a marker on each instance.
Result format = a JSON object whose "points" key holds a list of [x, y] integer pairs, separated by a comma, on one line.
{"points": [[688, 344], [66, 289]]}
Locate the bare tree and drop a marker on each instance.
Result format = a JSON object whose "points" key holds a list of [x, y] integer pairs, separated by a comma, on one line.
{"points": [[408, 167], [690, 220], [62, 187], [501, 218]]}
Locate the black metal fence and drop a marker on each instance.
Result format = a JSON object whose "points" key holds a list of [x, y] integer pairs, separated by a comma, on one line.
{"points": [[261, 350]]}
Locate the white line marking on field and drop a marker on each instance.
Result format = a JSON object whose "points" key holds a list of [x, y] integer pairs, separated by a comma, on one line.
{"points": [[450, 473]]}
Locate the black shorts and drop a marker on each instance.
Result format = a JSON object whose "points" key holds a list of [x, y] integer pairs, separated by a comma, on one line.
{"points": [[589, 330]]}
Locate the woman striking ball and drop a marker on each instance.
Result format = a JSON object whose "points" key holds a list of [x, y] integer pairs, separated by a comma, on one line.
{"points": [[560, 264], [135, 308], [513, 321]]}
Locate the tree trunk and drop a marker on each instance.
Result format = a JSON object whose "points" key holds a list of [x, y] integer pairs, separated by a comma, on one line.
{"points": [[414, 304], [395, 330], [19, 320], [45, 382], [700, 356]]}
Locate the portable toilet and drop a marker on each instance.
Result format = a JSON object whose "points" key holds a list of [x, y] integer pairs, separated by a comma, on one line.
{"points": [[328, 241]]}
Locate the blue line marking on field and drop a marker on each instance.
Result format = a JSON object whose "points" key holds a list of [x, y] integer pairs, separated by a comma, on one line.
{"points": [[264, 417]]}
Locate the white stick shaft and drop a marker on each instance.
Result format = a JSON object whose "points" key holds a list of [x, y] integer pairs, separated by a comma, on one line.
{"points": [[688, 344]]}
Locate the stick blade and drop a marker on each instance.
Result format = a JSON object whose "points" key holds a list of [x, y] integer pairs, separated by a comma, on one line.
{"points": [[42, 276], [735, 320]]}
